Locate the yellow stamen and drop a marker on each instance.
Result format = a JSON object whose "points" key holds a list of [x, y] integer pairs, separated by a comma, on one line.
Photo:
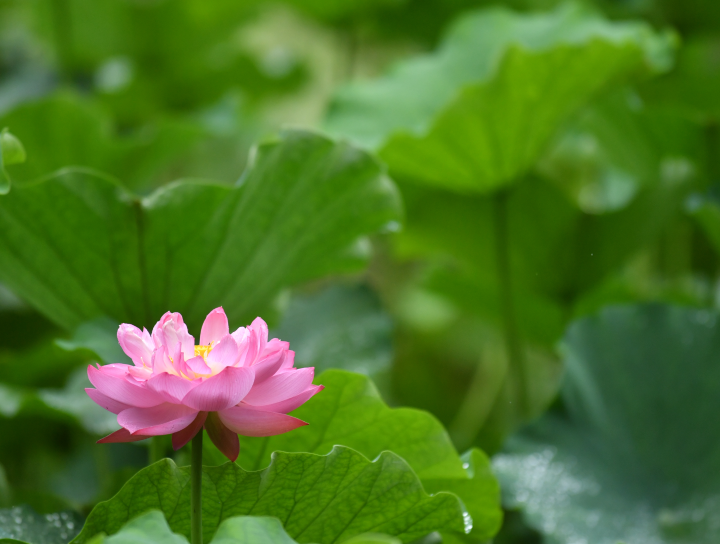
{"points": [[202, 350]]}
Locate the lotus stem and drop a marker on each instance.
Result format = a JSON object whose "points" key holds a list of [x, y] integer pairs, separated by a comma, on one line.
{"points": [[156, 449], [513, 343], [196, 490]]}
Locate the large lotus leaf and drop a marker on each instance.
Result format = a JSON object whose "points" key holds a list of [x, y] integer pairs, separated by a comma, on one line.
{"points": [[251, 529], [477, 113], [634, 459], [338, 327], [320, 498], [78, 247], [149, 528], [21, 524], [63, 130], [152, 528], [349, 411], [267, 530]]}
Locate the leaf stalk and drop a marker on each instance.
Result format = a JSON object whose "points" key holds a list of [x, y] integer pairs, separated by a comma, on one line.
{"points": [[513, 342], [196, 489]]}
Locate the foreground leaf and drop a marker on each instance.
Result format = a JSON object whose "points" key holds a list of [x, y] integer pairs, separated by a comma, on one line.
{"points": [[22, 524], [350, 412], [465, 120], [151, 528], [78, 247], [636, 460], [321, 499], [251, 529]]}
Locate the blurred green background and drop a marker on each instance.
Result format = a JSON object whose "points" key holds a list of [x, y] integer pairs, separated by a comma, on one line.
{"points": [[549, 291]]}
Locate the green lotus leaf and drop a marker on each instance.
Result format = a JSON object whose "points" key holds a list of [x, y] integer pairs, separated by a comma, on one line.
{"points": [[151, 528], [21, 524], [78, 247], [350, 411], [321, 499], [476, 114], [635, 457]]}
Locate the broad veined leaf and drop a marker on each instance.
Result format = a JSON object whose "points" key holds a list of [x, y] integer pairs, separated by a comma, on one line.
{"points": [[152, 528], [21, 524], [320, 499], [338, 327], [350, 412], [372, 538], [250, 529], [267, 530], [635, 458], [78, 247], [478, 113], [149, 528]]}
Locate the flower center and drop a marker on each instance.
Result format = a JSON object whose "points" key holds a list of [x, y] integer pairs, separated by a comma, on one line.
{"points": [[203, 350]]}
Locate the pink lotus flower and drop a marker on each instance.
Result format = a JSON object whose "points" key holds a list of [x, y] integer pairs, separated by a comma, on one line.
{"points": [[230, 384]]}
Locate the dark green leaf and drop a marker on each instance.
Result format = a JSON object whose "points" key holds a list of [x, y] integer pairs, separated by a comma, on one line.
{"points": [[320, 498], [636, 457], [77, 246], [22, 524]]}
